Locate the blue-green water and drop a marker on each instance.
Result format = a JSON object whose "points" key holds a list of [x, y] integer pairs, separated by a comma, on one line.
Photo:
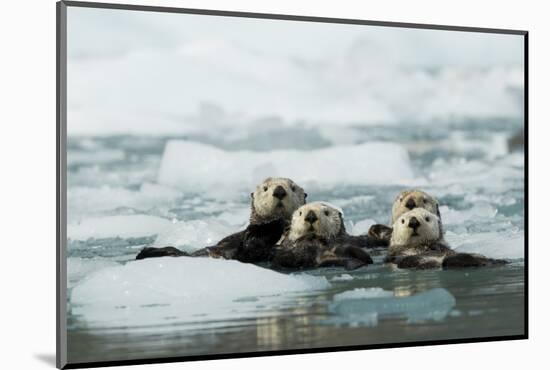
{"points": [[116, 205]]}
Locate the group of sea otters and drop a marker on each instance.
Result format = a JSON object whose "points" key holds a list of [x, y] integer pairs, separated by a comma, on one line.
{"points": [[288, 233]]}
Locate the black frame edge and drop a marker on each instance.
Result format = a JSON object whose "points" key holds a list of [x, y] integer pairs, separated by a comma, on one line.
{"points": [[526, 179], [224, 356]]}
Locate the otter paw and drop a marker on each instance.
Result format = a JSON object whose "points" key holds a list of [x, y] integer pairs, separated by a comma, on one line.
{"points": [[150, 252], [380, 234], [409, 262], [462, 260], [418, 263], [353, 264]]}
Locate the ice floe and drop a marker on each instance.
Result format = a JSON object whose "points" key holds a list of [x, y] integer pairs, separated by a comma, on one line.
{"points": [[191, 166], [85, 201], [368, 306], [124, 226], [194, 234], [78, 268], [363, 293], [508, 245], [184, 290]]}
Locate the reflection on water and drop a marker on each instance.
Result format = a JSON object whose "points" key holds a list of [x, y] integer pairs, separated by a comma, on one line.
{"points": [[404, 306]]}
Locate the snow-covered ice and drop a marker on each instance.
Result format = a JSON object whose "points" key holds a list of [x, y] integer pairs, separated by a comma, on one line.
{"points": [[174, 290], [359, 293], [124, 226], [191, 166], [195, 234], [491, 244]]}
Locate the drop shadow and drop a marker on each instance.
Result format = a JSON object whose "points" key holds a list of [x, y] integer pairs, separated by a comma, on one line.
{"points": [[47, 358]]}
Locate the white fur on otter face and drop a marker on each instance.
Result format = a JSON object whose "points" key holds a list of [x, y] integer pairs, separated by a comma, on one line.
{"points": [[266, 204], [327, 222], [428, 230], [415, 199]]}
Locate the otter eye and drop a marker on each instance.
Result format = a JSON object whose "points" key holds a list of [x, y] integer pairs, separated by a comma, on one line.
{"points": [[300, 213], [427, 219], [293, 188], [265, 188], [400, 199], [402, 220], [326, 213]]}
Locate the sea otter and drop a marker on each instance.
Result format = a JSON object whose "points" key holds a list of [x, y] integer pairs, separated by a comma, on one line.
{"points": [[271, 207], [417, 243], [316, 238], [404, 202]]}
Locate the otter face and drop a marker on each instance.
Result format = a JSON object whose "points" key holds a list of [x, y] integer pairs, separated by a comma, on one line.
{"points": [[410, 199], [277, 197], [317, 220], [415, 228]]}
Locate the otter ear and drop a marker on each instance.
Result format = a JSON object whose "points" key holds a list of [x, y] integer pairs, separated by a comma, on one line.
{"points": [[252, 195]]}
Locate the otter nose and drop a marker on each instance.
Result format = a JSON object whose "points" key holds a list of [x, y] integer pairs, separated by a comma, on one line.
{"points": [[410, 204], [311, 217], [413, 223], [279, 192]]}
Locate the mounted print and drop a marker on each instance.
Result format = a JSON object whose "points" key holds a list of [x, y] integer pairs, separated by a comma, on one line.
{"points": [[237, 184]]}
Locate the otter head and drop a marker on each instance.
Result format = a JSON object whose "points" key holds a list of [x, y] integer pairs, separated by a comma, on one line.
{"points": [[410, 199], [274, 198], [416, 227], [318, 220]]}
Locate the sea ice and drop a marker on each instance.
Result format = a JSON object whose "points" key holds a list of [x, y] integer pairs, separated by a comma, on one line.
{"points": [[194, 234], [361, 227], [368, 306], [78, 267], [191, 166], [455, 217], [75, 157], [124, 226], [491, 244], [94, 200], [183, 290], [343, 277], [360, 293]]}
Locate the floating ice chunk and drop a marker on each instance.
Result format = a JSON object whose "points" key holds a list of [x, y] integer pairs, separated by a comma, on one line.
{"points": [[236, 217], [127, 226], [184, 290], [360, 293], [491, 244], [478, 211], [90, 200], [343, 277], [77, 267], [358, 307], [361, 227], [499, 200], [193, 166], [361, 199], [496, 176], [195, 234]]}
